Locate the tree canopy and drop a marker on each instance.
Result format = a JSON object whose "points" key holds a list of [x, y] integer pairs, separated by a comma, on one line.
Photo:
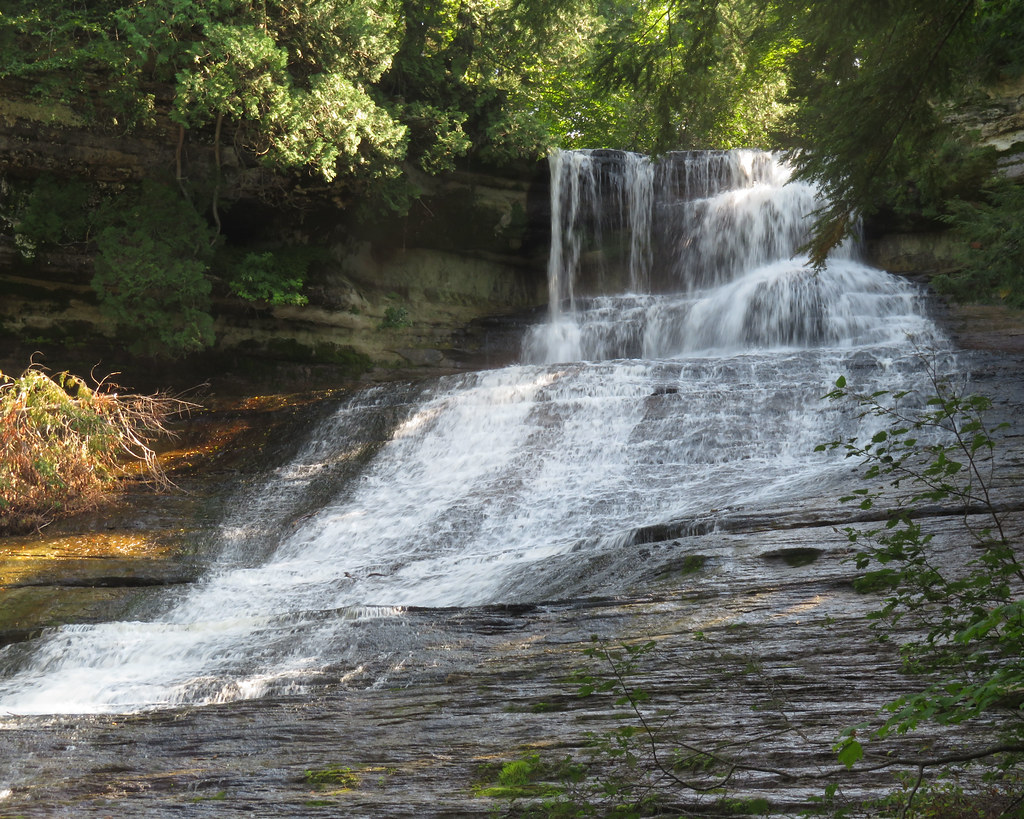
{"points": [[336, 87], [346, 89], [860, 92], [357, 93]]}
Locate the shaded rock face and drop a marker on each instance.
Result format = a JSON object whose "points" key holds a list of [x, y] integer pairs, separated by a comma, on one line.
{"points": [[996, 118], [397, 292], [915, 255]]}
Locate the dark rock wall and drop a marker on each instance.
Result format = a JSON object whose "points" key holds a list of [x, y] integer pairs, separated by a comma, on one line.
{"points": [[473, 247]]}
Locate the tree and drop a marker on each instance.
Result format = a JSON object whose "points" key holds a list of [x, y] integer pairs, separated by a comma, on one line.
{"points": [[961, 614], [858, 93], [298, 75], [681, 74], [338, 87], [151, 264], [992, 241], [865, 85]]}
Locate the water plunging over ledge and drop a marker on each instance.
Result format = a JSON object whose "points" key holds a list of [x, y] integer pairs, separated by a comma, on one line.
{"points": [[717, 269], [677, 382]]}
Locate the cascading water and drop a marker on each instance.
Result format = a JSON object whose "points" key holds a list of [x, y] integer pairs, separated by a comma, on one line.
{"points": [[693, 396], [724, 274]]}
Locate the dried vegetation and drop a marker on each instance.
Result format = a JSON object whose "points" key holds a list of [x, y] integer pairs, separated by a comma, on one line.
{"points": [[64, 444]]}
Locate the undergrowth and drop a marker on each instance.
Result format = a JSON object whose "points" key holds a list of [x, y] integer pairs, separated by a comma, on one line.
{"points": [[64, 443]]}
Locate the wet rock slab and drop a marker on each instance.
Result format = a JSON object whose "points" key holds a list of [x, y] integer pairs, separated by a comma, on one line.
{"points": [[108, 564], [762, 656], [755, 660], [83, 578]]}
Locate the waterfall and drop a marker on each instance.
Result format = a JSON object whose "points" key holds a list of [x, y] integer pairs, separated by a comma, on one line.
{"points": [[719, 268], [678, 379]]}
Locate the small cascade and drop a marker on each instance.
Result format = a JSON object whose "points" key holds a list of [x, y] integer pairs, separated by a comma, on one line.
{"points": [[719, 268], [677, 381]]}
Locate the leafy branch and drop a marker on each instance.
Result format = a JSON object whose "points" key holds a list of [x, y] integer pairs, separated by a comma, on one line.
{"points": [[962, 599]]}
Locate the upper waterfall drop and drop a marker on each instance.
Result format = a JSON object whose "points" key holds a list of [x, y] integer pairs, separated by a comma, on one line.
{"points": [[717, 266]]}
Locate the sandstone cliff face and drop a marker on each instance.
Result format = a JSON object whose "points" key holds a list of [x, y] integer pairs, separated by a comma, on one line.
{"points": [[996, 118], [412, 291]]}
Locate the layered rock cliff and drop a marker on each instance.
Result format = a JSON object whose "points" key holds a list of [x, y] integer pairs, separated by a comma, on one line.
{"points": [[437, 288], [393, 292]]}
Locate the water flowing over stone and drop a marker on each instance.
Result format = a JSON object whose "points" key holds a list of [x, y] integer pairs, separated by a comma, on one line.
{"points": [[677, 384], [720, 268]]}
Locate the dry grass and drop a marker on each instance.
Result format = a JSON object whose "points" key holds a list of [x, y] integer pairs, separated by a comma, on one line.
{"points": [[64, 443]]}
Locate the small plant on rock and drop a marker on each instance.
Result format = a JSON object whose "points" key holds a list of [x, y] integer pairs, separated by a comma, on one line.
{"points": [[394, 318], [340, 777]]}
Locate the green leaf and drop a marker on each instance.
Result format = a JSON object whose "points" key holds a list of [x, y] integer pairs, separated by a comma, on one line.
{"points": [[850, 752]]}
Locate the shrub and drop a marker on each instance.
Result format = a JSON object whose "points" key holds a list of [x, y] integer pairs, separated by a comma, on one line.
{"points": [[992, 255], [963, 606], [151, 272], [271, 277], [63, 443], [395, 318]]}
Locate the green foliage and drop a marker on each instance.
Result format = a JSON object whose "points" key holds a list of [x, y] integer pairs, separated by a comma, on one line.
{"points": [[273, 277], [394, 318], [468, 76], [522, 778], [62, 443], [849, 750], [868, 84], [297, 73], [436, 136], [1000, 37], [926, 182], [518, 772], [992, 254], [156, 258], [75, 37], [947, 798], [151, 267], [691, 74], [353, 88], [334, 125], [51, 211], [966, 604], [238, 72]]}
